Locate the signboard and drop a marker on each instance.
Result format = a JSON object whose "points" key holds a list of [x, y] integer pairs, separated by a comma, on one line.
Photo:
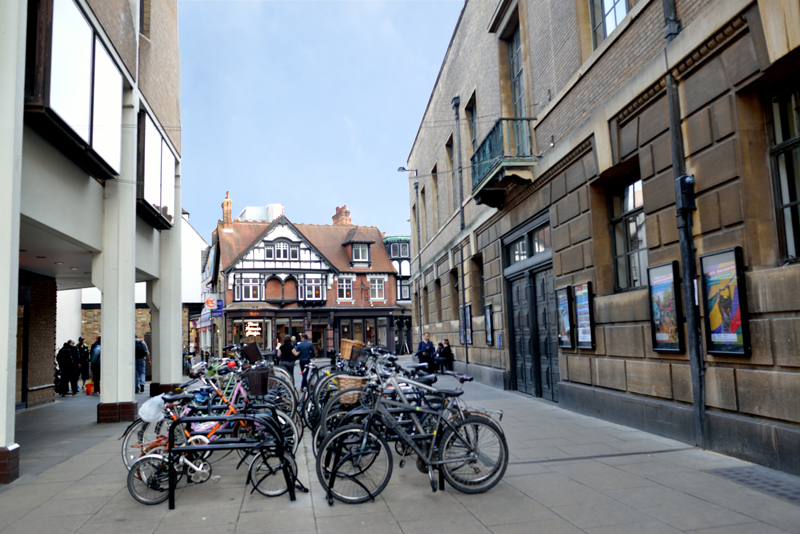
{"points": [[462, 326], [584, 315], [666, 318], [215, 313], [468, 319], [252, 329], [564, 317], [725, 303], [211, 303]]}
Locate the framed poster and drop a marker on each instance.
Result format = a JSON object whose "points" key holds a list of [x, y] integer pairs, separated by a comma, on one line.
{"points": [[468, 322], [725, 303], [564, 317], [584, 315], [666, 316], [462, 326], [487, 315]]}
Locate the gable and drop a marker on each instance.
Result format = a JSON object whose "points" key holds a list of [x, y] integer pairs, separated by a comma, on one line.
{"points": [[282, 247]]}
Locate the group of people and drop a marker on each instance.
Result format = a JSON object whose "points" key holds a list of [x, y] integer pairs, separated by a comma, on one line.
{"points": [[438, 359], [78, 362], [290, 351]]}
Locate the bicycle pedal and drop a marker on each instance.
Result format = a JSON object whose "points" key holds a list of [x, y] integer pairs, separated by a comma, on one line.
{"points": [[402, 464]]}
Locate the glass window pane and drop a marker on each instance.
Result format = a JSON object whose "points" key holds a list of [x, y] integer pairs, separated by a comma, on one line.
{"points": [[107, 115], [167, 182], [621, 11], [71, 67], [622, 272], [791, 221], [152, 164]]}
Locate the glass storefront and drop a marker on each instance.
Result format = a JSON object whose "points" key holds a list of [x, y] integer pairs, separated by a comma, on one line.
{"points": [[253, 330]]}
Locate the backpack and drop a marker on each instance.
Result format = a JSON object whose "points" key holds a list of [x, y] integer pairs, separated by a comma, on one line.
{"points": [[95, 358], [141, 351]]}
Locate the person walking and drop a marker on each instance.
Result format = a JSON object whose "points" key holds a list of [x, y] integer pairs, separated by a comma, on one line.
{"points": [[142, 361], [287, 356], [67, 367], [95, 365], [84, 357], [305, 352], [425, 350]]}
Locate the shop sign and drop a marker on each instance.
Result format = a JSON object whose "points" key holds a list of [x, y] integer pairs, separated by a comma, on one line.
{"points": [[252, 329]]}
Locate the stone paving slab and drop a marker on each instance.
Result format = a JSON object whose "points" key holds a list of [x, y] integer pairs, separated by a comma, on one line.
{"points": [[569, 473]]}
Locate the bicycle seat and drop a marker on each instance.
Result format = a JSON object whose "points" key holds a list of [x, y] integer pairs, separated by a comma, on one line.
{"points": [[451, 392], [427, 379], [178, 398], [417, 366]]}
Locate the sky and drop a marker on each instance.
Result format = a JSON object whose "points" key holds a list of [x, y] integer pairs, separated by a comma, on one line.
{"points": [[309, 104]]}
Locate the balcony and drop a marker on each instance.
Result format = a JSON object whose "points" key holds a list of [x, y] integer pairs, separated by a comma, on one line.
{"points": [[503, 159]]}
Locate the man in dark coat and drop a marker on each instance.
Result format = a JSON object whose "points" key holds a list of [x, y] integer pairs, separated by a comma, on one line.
{"points": [[68, 371], [425, 351], [84, 358]]}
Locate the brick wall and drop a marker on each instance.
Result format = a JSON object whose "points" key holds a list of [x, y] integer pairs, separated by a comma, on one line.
{"points": [[91, 321], [159, 64], [117, 20], [41, 335]]}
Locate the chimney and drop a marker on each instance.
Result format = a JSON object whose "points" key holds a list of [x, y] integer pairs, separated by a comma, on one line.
{"points": [[342, 217], [227, 206]]}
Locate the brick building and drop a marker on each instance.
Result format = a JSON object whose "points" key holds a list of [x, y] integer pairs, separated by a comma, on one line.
{"points": [[562, 171], [277, 278], [90, 169]]}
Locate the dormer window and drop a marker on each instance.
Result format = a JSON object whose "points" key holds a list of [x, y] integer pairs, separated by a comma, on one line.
{"points": [[360, 252], [294, 253], [404, 250], [269, 252], [395, 250]]}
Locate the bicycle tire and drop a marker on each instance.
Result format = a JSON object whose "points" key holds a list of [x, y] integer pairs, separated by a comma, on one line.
{"points": [[370, 466], [481, 440], [266, 473], [148, 479]]}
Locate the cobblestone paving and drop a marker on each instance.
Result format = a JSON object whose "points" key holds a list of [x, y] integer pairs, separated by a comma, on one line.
{"points": [[568, 473]]}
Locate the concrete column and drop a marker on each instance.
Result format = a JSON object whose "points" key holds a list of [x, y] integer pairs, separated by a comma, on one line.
{"points": [[12, 66], [114, 273], [164, 299]]}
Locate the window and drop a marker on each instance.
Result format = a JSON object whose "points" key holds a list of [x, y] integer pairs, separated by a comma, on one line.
{"points": [[269, 252], [472, 118], [404, 250], [294, 253], [541, 240], [394, 250], [345, 287], [405, 290], [156, 173], [521, 128], [478, 288], [606, 15], [311, 289], [281, 251], [360, 252], [247, 287], [518, 251], [630, 242], [435, 181], [786, 165], [144, 17], [451, 160], [376, 289], [73, 89]]}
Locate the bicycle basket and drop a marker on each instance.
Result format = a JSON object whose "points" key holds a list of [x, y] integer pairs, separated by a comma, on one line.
{"points": [[347, 382], [257, 380], [252, 352], [350, 349]]}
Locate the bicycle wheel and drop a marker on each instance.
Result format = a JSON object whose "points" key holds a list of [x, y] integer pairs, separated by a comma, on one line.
{"points": [[266, 473], [285, 393], [148, 479], [476, 454], [131, 448], [362, 465]]}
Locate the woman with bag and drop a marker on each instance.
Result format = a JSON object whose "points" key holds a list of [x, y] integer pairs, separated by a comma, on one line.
{"points": [[287, 356]]}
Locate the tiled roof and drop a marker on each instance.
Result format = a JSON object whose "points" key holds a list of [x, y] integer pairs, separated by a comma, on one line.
{"points": [[329, 240], [233, 243]]}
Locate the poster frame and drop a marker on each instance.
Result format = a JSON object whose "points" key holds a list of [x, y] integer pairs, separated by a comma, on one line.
{"points": [[591, 344], [567, 291], [659, 346], [468, 320], [487, 315], [738, 257]]}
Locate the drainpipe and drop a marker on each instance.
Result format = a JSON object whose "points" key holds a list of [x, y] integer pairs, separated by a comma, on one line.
{"points": [[456, 102], [685, 205], [419, 258]]}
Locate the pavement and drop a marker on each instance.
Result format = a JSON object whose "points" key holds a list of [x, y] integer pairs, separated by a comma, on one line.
{"points": [[568, 473]]}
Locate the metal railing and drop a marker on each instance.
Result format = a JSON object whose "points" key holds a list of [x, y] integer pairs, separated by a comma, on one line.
{"points": [[509, 138]]}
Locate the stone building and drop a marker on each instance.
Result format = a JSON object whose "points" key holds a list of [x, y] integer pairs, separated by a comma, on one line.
{"points": [[558, 168], [90, 145], [276, 278]]}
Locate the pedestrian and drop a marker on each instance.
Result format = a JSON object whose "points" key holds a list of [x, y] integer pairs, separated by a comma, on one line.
{"points": [[294, 341], [305, 352], [439, 349], [142, 354], [67, 367], [84, 357], [95, 364], [425, 350], [444, 360], [287, 356]]}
